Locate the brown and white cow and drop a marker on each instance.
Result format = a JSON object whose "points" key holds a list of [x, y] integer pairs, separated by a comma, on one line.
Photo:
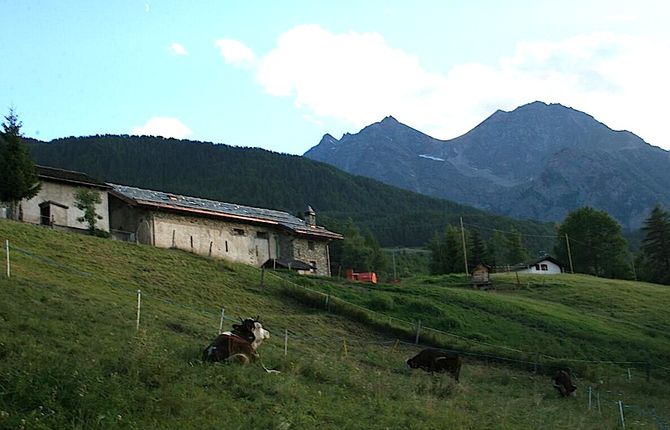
{"points": [[563, 383], [437, 360], [238, 345]]}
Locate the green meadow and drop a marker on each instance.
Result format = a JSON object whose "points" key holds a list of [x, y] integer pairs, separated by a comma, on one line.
{"points": [[72, 357]]}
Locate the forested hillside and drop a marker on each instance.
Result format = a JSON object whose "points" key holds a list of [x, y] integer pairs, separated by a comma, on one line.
{"points": [[258, 177]]}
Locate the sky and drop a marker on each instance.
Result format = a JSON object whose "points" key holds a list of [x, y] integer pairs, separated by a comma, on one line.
{"points": [[280, 74]]}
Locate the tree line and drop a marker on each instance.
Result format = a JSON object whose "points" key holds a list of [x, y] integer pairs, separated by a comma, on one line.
{"points": [[588, 241]]}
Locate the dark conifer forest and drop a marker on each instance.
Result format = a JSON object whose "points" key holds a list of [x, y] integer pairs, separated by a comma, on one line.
{"points": [[257, 177]]}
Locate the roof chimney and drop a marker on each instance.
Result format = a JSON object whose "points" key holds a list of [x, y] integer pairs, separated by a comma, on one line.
{"points": [[311, 217]]}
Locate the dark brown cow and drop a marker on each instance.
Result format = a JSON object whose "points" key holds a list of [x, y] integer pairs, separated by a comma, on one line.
{"points": [[239, 345], [563, 384], [437, 360]]}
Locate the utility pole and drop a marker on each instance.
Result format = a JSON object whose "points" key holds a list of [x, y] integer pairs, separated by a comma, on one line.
{"points": [[465, 253], [567, 243]]}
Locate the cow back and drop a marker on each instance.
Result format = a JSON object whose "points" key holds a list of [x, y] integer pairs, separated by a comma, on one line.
{"points": [[437, 360], [226, 345]]}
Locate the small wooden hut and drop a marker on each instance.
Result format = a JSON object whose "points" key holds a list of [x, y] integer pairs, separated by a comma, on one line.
{"points": [[480, 276]]}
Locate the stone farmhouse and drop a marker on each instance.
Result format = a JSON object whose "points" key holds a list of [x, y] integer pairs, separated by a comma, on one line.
{"points": [[233, 232], [54, 204]]}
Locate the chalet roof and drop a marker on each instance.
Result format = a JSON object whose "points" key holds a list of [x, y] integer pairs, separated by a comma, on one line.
{"points": [[68, 176], [544, 258], [216, 209]]}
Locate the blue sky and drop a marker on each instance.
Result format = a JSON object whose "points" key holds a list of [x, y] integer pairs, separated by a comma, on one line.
{"points": [[280, 74]]}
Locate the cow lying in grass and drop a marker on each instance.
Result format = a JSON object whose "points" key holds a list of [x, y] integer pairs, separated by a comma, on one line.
{"points": [[436, 360], [238, 345], [563, 384]]}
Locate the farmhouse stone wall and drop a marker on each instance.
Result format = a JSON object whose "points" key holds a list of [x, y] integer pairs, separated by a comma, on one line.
{"points": [[234, 241], [237, 242], [313, 252], [63, 194]]}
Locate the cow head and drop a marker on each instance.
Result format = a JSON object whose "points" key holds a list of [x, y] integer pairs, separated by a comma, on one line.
{"points": [[412, 363], [252, 330]]}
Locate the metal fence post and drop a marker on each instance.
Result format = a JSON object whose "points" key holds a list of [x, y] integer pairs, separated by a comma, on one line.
{"points": [[7, 250], [221, 322], [418, 330], [139, 307]]}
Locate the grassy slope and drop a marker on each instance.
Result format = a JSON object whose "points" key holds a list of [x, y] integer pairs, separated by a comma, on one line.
{"points": [[70, 356], [568, 316]]}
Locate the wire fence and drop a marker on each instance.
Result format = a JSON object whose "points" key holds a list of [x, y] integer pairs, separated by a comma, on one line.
{"points": [[400, 328]]}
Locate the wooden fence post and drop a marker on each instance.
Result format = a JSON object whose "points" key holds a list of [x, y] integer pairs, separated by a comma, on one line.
{"points": [[589, 398], [139, 307], [285, 342]]}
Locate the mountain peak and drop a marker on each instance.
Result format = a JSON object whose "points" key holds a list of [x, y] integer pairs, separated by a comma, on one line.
{"points": [[328, 139]]}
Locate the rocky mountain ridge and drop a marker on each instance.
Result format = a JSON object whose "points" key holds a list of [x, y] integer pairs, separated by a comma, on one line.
{"points": [[538, 161]]}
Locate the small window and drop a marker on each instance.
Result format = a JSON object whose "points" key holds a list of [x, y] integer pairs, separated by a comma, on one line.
{"points": [[544, 267], [261, 235], [310, 245], [537, 267], [238, 232], [313, 264], [226, 246]]}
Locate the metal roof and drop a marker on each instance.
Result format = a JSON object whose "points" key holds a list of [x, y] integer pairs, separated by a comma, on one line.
{"points": [[213, 208]]}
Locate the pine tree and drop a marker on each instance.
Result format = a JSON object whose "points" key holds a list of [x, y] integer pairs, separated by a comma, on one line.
{"points": [[447, 252], [656, 247], [477, 249], [18, 179], [516, 252]]}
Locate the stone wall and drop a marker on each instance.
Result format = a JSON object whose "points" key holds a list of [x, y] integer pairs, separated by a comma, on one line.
{"points": [[237, 242], [242, 243], [63, 194], [313, 252]]}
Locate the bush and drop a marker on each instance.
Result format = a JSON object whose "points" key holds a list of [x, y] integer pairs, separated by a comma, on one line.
{"points": [[381, 303]]}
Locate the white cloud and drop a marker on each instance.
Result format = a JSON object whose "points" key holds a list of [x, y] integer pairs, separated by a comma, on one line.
{"points": [[178, 49], [358, 78], [235, 52], [163, 126]]}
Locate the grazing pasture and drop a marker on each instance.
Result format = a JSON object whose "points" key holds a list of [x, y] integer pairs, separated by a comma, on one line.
{"points": [[71, 355]]}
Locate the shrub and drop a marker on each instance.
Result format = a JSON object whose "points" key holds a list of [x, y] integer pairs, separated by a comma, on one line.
{"points": [[381, 303]]}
